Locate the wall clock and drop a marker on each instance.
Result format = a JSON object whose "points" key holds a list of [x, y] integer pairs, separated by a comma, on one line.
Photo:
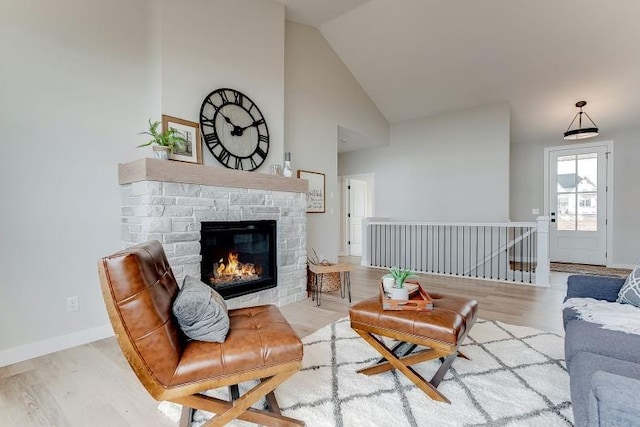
{"points": [[234, 129]]}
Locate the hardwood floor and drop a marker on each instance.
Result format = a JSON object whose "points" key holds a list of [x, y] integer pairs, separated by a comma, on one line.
{"points": [[93, 385], [507, 302]]}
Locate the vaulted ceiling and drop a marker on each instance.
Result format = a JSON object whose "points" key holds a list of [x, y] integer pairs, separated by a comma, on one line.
{"points": [[416, 58]]}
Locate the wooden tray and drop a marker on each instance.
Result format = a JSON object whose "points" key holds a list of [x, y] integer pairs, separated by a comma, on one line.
{"points": [[418, 301]]}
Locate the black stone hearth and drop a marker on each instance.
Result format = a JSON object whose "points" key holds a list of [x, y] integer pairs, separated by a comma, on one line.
{"points": [[238, 257]]}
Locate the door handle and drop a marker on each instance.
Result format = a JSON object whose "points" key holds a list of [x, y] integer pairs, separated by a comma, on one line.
{"points": [[553, 217]]}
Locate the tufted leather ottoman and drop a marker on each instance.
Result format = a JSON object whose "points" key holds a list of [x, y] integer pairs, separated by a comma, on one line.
{"points": [[440, 331]]}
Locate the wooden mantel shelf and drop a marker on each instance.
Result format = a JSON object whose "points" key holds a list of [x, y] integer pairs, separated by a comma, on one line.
{"points": [[173, 171]]}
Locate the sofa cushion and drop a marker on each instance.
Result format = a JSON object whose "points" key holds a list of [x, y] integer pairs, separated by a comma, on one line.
{"points": [[630, 291], [586, 336], [596, 287], [613, 400], [201, 312], [584, 365]]}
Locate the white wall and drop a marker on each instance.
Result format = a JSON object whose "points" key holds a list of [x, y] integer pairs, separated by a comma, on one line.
{"points": [[321, 94], [527, 188], [449, 167], [82, 80], [75, 91], [626, 204], [527, 180], [209, 44]]}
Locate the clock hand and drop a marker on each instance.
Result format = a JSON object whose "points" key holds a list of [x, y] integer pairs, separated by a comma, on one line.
{"points": [[227, 119], [240, 130], [237, 130]]}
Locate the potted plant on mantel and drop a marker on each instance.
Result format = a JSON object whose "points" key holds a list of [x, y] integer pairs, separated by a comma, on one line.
{"points": [[163, 143], [399, 290]]}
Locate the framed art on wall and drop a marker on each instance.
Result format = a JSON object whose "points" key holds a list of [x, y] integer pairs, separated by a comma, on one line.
{"points": [[315, 194], [190, 131]]}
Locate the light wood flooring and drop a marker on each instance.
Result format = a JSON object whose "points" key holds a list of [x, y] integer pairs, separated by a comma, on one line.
{"points": [[92, 384]]}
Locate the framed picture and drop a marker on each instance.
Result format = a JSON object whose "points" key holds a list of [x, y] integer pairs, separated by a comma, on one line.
{"points": [[315, 194], [192, 151]]}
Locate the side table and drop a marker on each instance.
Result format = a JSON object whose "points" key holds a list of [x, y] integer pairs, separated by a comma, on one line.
{"points": [[320, 270]]}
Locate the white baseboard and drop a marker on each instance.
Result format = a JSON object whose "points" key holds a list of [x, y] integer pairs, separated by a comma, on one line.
{"points": [[627, 266], [51, 345]]}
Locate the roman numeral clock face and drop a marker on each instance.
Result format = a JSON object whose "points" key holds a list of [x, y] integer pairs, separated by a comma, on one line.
{"points": [[234, 129]]}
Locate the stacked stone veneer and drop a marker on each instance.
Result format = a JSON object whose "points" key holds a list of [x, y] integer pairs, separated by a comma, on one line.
{"points": [[172, 212]]}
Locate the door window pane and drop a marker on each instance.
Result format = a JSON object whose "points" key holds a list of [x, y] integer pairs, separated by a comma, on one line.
{"points": [[566, 164], [587, 219], [566, 211], [567, 178], [587, 167], [588, 171]]}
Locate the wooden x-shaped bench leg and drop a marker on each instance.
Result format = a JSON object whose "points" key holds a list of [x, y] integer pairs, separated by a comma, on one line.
{"points": [[403, 365], [384, 365]]}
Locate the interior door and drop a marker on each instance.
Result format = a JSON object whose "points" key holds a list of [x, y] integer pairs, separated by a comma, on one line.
{"points": [[357, 210], [578, 205]]}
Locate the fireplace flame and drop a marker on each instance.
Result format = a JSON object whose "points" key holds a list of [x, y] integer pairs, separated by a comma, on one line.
{"points": [[234, 270]]}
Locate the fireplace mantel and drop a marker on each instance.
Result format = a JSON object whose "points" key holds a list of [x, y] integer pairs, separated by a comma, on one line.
{"points": [[173, 171]]}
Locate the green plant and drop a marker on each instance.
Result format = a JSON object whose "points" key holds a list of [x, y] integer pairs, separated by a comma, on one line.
{"points": [[400, 275], [170, 138]]}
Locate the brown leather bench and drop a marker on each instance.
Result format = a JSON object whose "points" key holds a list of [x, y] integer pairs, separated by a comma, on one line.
{"points": [[440, 331]]}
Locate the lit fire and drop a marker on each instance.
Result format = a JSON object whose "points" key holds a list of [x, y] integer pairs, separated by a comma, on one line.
{"points": [[234, 270]]}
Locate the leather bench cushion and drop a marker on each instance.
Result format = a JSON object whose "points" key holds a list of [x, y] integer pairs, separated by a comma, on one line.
{"points": [[259, 337], [447, 322]]}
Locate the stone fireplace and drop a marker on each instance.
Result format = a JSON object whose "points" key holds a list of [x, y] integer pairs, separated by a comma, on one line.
{"points": [[173, 202]]}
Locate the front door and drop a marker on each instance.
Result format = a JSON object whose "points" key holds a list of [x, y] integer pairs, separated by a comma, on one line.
{"points": [[578, 204]]}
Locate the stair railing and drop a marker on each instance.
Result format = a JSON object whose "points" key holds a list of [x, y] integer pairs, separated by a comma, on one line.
{"points": [[511, 251]]}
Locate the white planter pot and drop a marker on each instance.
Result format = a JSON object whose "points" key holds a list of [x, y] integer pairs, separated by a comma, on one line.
{"points": [[400, 293], [388, 283], [161, 152]]}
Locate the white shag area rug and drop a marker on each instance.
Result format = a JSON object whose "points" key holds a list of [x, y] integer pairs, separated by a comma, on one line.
{"points": [[611, 315], [516, 377]]}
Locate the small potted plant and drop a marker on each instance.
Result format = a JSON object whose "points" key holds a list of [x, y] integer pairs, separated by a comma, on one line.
{"points": [[399, 291], [163, 143]]}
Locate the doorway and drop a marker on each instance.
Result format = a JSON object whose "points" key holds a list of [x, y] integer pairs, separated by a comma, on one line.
{"points": [[357, 196], [578, 200]]}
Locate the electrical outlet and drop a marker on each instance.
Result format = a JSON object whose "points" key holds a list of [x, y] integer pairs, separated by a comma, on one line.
{"points": [[72, 303], [535, 211]]}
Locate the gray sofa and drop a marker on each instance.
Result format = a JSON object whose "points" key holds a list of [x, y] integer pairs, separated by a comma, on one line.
{"points": [[604, 365]]}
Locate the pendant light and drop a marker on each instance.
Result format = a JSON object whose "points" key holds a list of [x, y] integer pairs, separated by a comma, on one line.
{"points": [[580, 132]]}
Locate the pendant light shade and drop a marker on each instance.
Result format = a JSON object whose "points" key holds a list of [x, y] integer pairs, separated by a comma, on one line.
{"points": [[581, 132]]}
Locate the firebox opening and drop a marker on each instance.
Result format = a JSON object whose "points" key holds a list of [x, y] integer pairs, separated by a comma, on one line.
{"points": [[238, 257]]}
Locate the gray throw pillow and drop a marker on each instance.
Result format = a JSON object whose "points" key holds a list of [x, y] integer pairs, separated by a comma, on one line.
{"points": [[630, 291], [201, 312]]}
